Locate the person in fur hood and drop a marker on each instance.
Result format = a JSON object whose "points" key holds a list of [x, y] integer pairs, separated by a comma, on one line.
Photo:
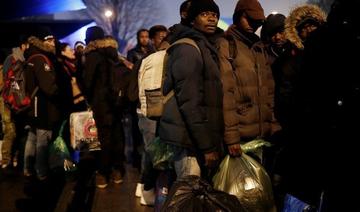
{"points": [[99, 53], [295, 159], [299, 25]]}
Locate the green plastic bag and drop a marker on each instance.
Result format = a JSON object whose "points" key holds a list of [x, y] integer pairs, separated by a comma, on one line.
{"points": [[248, 181], [162, 154], [59, 155]]}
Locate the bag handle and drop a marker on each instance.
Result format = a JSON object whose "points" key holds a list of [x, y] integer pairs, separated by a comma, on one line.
{"points": [[62, 128]]}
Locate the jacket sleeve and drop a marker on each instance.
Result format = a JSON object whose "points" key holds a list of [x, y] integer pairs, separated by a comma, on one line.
{"points": [[90, 66], [46, 77], [186, 65], [131, 55], [231, 117]]}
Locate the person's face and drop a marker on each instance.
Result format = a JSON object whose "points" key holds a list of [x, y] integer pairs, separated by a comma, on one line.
{"points": [[144, 38], [80, 49], [24, 46], [248, 24], [68, 52], [184, 14], [278, 39], [206, 22], [50, 42], [158, 38], [306, 30]]}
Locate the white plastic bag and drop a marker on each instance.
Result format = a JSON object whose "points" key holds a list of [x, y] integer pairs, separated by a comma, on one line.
{"points": [[83, 131]]}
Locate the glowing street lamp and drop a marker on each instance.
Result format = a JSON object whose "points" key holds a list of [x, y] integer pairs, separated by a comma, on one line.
{"points": [[108, 13]]}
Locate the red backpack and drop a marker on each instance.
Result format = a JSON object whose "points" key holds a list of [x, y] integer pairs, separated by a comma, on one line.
{"points": [[14, 90]]}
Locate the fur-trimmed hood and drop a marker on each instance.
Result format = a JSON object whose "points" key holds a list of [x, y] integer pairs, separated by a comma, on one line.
{"points": [[101, 44], [296, 16], [41, 45]]}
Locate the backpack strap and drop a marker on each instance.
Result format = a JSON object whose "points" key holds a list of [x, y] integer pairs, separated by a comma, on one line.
{"points": [[232, 56], [232, 50], [188, 41], [42, 56]]}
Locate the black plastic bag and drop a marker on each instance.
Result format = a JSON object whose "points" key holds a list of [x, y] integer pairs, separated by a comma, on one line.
{"points": [[194, 194]]}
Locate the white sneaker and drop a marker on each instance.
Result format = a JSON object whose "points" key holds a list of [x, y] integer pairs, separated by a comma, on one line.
{"points": [[139, 189], [148, 198]]}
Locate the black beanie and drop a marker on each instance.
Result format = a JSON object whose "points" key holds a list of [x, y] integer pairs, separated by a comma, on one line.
{"points": [[94, 33], [43, 33], [273, 24], [199, 6]]}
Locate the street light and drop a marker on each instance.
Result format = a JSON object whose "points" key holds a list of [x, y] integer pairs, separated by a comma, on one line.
{"points": [[108, 13]]}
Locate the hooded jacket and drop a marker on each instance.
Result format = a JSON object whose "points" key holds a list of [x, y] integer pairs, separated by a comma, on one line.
{"points": [[298, 15], [286, 68], [96, 78], [45, 112], [193, 117], [248, 89]]}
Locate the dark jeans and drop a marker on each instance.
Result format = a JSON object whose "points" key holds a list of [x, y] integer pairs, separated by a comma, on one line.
{"points": [[112, 148]]}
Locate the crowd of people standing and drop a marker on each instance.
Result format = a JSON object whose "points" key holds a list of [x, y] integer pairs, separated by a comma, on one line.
{"points": [[295, 86]]}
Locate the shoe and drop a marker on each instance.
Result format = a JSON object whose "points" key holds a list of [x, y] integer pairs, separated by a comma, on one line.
{"points": [[148, 198], [101, 181], [116, 177], [139, 189]]}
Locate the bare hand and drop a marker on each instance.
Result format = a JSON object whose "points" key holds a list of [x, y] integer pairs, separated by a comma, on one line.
{"points": [[68, 165], [235, 150], [211, 159]]}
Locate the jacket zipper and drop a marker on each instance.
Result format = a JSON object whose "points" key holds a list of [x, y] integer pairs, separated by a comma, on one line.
{"points": [[259, 84]]}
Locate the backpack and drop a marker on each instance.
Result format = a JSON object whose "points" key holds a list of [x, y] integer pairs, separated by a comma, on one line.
{"points": [[118, 74], [14, 91], [151, 78]]}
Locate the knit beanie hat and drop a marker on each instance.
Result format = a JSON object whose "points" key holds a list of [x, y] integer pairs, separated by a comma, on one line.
{"points": [[273, 24], [43, 33], [252, 8], [94, 33], [79, 43], [199, 6]]}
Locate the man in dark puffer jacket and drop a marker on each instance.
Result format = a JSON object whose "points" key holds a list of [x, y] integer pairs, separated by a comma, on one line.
{"points": [[192, 119]]}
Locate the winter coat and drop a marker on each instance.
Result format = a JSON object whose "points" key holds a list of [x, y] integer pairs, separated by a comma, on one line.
{"points": [[328, 99], [136, 54], [193, 117], [45, 113], [248, 90], [326, 112], [97, 77], [287, 67]]}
